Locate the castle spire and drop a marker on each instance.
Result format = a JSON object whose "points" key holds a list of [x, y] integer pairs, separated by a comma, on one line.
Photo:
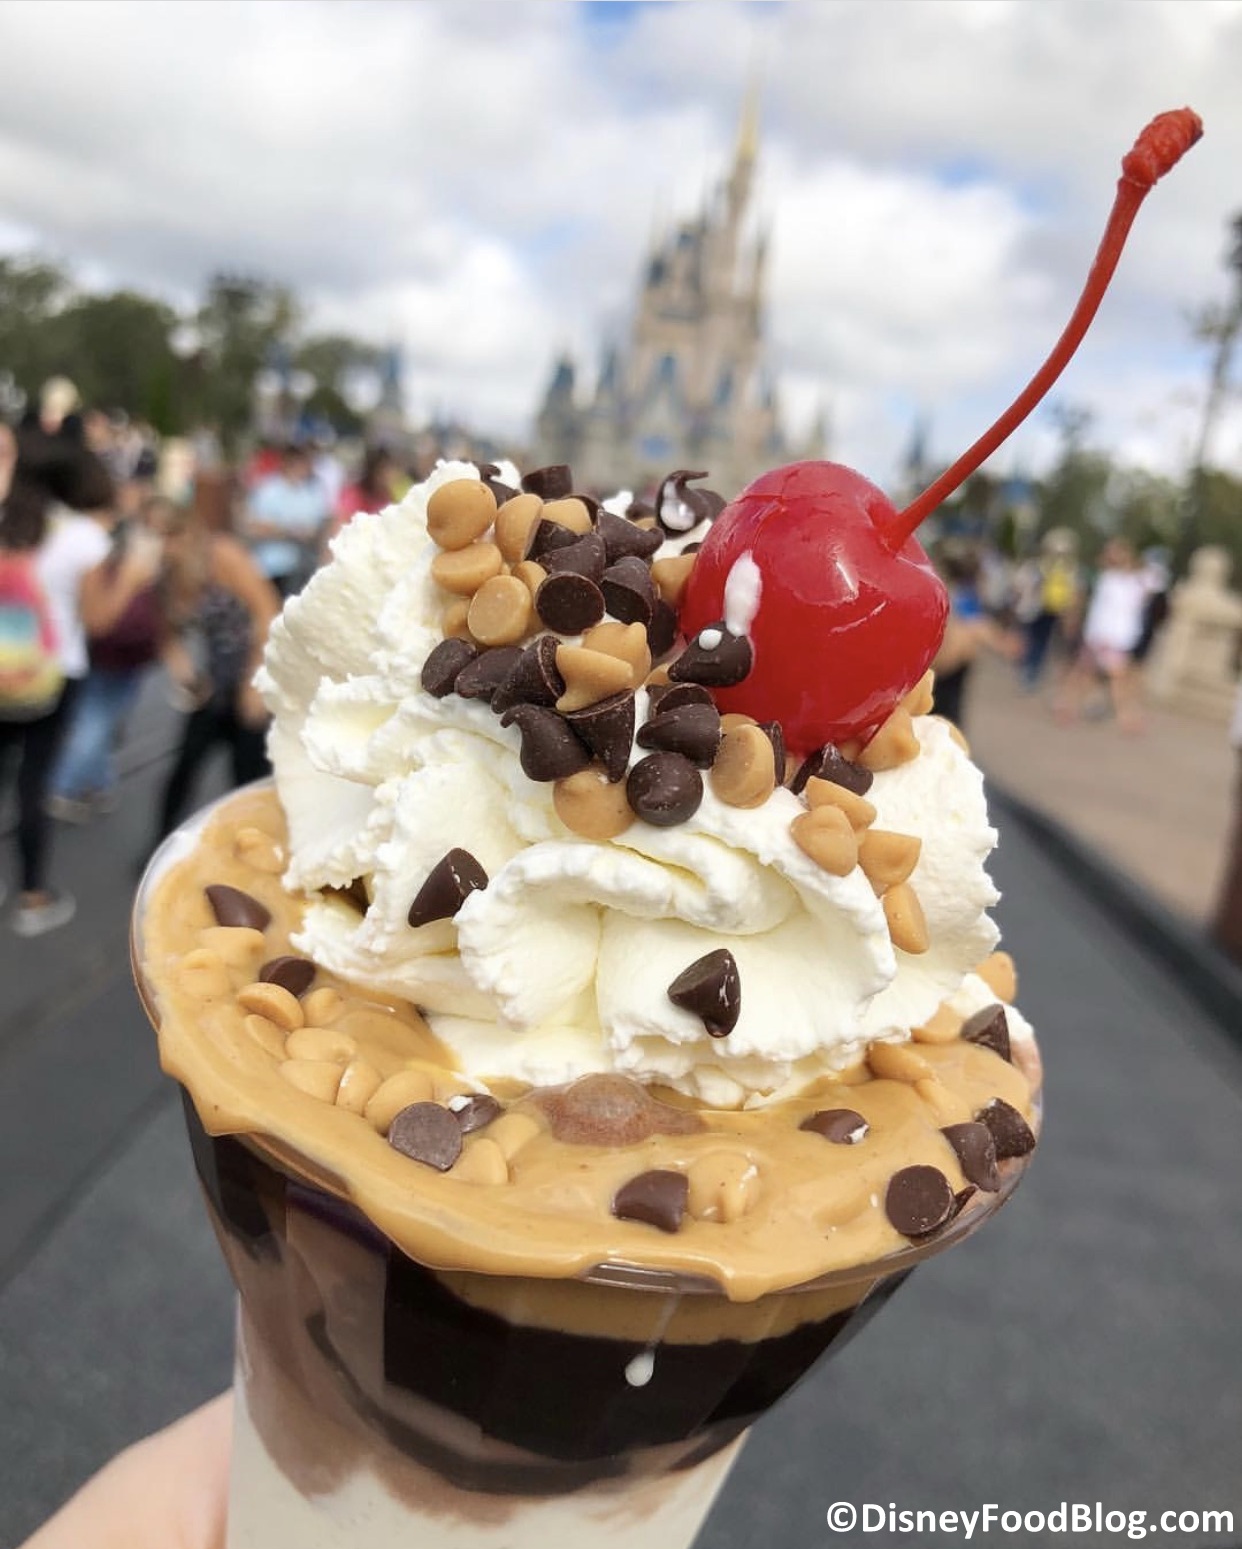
{"points": [[746, 151]]}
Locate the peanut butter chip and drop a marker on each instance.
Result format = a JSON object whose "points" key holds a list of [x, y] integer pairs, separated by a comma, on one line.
{"points": [[321, 1043], [427, 1133], [904, 913], [317, 1078], [570, 513], [592, 806], [273, 1002], [998, 973], [627, 642], [515, 521], [827, 836], [500, 611], [238, 945], [359, 1083], [531, 574], [459, 512], [827, 793], [511, 1132], [322, 1005], [894, 743], [259, 851], [482, 1162], [919, 700], [744, 774], [723, 1186], [266, 1034], [590, 676], [887, 858], [394, 1094], [897, 1062], [463, 571], [943, 1026], [658, 1198], [671, 575]]}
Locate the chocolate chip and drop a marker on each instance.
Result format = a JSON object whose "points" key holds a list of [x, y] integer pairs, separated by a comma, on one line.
{"points": [[447, 660], [481, 678], [678, 509], [501, 492], [427, 1133], [585, 557], [622, 540], [691, 548], [664, 789], [611, 1111], [775, 734], [629, 592], [233, 907], [449, 883], [976, 1151], [550, 751], [295, 974], [607, 728], [662, 631], [711, 989], [570, 604], [551, 483], [692, 730], [829, 763], [842, 1126], [1010, 1132], [546, 537], [918, 1200], [669, 696], [657, 1198], [715, 658], [988, 1028], [535, 678], [475, 1111]]}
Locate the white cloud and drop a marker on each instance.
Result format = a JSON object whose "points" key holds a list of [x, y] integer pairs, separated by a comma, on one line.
{"points": [[480, 180]]}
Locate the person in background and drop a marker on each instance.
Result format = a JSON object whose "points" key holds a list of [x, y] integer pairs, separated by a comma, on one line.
{"points": [[50, 553], [1112, 628], [212, 589], [1047, 590], [1159, 580], [123, 615], [969, 629], [287, 520], [374, 488]]}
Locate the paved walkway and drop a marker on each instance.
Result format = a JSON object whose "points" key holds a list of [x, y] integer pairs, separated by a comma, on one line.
{"points": [[1159, 805]]}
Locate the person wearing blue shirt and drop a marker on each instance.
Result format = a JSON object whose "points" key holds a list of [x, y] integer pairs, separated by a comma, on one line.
{"points": [[289, 514]]}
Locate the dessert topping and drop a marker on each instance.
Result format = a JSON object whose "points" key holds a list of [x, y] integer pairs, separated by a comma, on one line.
{"points": [[569, 603], [664, 789], [990, 1029], [714, 657], [1010, 1131], [919, 1200], [233, 907], [976, 1152], [550, 751], [841, 1126], [449, 883], [474, 1110], [657, 1198], [427, 1133], [295, 974], [711, 989]]}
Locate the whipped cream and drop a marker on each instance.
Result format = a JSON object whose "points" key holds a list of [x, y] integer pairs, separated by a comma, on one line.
{"points": [[561, 966]]}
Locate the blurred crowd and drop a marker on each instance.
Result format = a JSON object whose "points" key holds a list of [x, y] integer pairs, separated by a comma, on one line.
{"points": [[117, 558], [1084, 631]]}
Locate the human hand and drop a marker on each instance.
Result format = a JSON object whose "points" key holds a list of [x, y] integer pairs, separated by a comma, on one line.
{"points": [[167, 1492]]}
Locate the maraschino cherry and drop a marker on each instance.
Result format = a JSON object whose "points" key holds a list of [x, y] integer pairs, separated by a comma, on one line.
{"points": [[850, 612]]}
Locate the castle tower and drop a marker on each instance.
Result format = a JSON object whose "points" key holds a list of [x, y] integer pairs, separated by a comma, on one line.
{"points": [[689, 387]]}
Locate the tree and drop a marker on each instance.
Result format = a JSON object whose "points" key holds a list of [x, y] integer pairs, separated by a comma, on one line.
{"points": [[1075, 493], [1218, 325], [245, 325]]}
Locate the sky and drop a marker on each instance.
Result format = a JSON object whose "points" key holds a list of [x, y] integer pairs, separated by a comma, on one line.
{"points": [[479, 182]]}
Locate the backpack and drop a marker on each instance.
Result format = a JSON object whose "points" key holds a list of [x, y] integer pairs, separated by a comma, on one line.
{"points": [[31, 676]]}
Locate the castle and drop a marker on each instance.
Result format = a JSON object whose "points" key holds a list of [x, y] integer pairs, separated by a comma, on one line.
{"points": [[690, 388]]}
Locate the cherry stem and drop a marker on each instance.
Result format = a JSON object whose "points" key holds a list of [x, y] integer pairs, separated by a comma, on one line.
{"points": [[1157, 149]]}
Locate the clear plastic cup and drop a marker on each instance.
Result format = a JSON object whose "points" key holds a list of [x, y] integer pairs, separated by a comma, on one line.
{"points": [[383, 1401]]}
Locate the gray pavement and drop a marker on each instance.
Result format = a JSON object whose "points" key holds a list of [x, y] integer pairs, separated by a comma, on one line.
{"points": [[1085, 1347]]}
